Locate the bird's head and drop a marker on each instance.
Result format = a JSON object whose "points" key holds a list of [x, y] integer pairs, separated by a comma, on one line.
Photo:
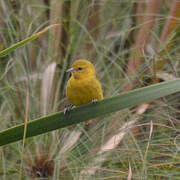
{"points": [[82, 69]]}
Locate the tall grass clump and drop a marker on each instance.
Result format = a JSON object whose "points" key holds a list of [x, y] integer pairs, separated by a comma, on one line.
{"points": [[134, 45]]}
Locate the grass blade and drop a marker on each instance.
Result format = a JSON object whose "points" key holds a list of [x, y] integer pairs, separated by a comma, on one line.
{"points": [[23, 42], [89, 111]]}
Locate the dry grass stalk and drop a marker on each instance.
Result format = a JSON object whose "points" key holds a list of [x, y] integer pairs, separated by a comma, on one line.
{"points": [[1, 26], [110, 145], [55, 33], [130, 173], [47, 87], [172, 22], [92, 24], [166, 40], [152, 9], [139, 11], [72, 139]]}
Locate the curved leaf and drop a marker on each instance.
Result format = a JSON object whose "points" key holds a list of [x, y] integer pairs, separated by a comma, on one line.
{"points": [[28, 39], [89, 111]]}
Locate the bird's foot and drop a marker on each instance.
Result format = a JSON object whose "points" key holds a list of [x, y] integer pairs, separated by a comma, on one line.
{"points": [[68, 108], [94, 101]]}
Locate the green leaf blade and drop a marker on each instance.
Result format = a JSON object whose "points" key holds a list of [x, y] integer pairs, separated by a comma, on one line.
{"points": [[25, 41], [90, 111]]}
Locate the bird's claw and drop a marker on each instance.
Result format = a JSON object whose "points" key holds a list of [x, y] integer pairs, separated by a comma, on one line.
{"points": [[94, 101], [68, 108]]}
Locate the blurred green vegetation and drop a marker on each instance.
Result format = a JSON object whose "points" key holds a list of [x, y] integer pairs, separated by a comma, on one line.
{"points": [[128, 52]]}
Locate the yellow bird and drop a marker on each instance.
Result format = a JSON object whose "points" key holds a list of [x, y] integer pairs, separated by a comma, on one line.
{"points": [[83, 86]]}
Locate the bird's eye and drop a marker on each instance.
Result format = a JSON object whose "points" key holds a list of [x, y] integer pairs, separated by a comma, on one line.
{"points": [[80, 68]]}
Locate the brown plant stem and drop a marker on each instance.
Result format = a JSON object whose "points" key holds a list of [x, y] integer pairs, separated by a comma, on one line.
{"points": [[171, 24], [152, 9], [55, 33], [92, 24]]}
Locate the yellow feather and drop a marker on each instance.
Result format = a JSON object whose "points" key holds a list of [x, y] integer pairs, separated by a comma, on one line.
{"points": [[83, 87]]}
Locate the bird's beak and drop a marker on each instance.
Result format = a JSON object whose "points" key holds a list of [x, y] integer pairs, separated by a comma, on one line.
{"points": [[71, 70]]}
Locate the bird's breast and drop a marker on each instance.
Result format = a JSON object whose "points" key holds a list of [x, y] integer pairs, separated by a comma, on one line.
{"points": [[81, 92]]}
